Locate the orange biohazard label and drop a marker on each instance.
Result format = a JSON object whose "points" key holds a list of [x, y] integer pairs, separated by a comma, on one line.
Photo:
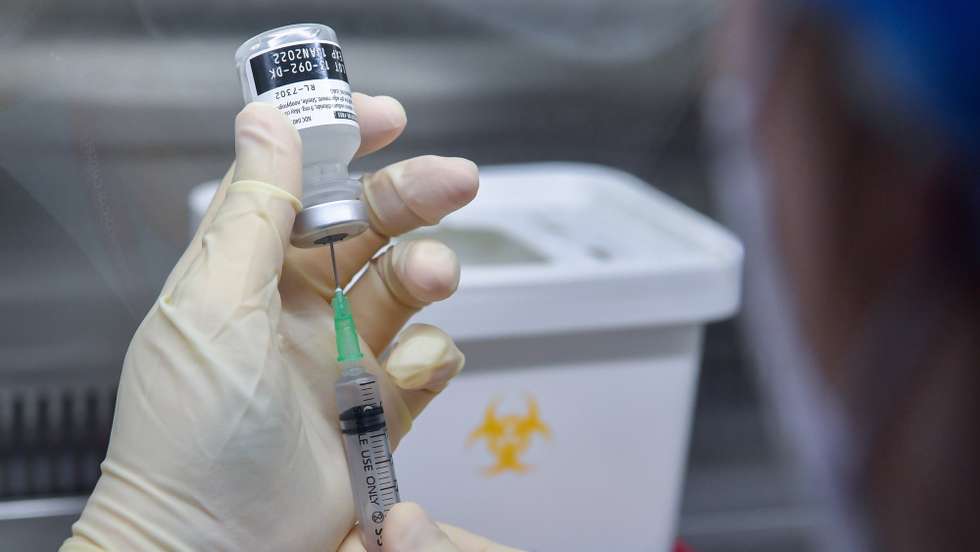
{"points": [[508, 436]]}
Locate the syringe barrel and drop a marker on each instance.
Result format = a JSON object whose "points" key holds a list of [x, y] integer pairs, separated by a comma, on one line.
{"points": [[372, 473]]}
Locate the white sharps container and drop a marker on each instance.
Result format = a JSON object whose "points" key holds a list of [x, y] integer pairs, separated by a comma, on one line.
{"points": [[581, 309]]}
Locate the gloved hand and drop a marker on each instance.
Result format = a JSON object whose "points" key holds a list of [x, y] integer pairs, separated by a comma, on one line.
{"points": [[225, 435]]}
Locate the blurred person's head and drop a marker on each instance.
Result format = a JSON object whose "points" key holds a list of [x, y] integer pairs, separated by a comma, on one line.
{"points": [[855, 125]]}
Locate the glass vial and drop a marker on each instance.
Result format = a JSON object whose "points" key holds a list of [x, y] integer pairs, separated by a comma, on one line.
{"points": [[300, 69]]}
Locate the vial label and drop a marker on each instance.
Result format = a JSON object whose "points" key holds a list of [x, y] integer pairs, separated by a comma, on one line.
{"points": [[306, 81]]}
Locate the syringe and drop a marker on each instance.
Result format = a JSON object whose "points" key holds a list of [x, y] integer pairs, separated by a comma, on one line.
{"points": [[362, 424]]}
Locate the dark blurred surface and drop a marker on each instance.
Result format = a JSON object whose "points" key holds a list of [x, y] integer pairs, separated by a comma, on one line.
{"points": [[110, 112]]}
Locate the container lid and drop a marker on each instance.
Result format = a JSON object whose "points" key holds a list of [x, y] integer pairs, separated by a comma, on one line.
{"points": [[566, 247]]}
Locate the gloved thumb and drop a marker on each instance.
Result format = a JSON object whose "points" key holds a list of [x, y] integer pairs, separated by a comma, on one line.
{"points": [[268, 150], [409, 529], [243, 245], [267, 181]]}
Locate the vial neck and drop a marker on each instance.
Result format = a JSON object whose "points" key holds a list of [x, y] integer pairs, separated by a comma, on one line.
{"points": [[326, 182], [322, 174]]}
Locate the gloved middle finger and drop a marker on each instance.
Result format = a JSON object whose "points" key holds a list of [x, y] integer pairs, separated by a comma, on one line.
{"points": [[398, 284], [401, 197]]}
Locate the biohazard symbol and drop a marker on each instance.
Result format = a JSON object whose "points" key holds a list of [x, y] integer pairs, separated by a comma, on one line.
{"points": [[509, 436]]}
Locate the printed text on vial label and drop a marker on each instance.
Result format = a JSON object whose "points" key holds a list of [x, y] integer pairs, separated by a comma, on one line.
{"points": [[313, 103]]}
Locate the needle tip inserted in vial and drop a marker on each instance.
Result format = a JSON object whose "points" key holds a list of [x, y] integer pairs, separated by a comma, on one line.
{"points": [[333, 262]]}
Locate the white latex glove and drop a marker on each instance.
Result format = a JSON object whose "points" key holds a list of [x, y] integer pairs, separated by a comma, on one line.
{"points": [[225, 435]]}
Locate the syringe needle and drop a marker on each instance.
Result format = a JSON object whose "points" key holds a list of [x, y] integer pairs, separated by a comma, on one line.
{"points": [[333, 262]]}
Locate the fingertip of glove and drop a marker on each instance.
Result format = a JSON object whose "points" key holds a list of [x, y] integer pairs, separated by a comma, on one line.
{"points": [[408, 529], [429, 270], [424, 358], [394, 113], [259, 116]]}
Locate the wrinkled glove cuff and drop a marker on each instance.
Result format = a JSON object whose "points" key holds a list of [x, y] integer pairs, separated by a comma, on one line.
{"points": [[254, 186]]}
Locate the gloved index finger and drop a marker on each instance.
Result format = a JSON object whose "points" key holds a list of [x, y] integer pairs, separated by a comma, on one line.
{"points": [[400, 197], [381, 118]]}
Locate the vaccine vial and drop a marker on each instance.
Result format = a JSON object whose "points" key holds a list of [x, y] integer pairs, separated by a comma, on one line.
{"points": [[300, 69]]}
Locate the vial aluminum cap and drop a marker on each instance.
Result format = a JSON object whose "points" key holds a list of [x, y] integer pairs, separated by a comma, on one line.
{"points": [[334, 221]]}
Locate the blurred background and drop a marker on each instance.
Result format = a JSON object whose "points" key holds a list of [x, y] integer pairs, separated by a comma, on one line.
{"points": [[111, 111]]}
